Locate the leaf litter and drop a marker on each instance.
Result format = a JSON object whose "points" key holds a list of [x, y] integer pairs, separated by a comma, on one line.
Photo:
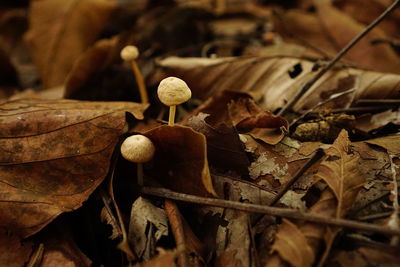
{"points": [[69, 198]]}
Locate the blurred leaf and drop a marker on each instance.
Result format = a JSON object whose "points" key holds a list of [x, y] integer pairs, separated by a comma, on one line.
{"points": [[59, 31], [269, 81], [296, 249], [180, 161], [54, 154]]}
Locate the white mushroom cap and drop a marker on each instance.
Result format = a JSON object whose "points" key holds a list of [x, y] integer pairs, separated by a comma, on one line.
{"points": [[137, 148], [173, 91], [129, 53]]}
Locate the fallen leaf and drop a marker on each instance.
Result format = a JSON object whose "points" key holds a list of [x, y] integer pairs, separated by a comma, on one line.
{"points": [[166, 258], [53, 38], [390, 143], [180, 161], [224, 149], [295, 250], [145, 216], [268, 81], [13, 251], [54, 154], [371, 122], [249, 118], [340, 171]]}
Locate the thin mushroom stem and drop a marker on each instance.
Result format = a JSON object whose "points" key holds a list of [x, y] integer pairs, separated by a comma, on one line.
{"points": [[172, 111], [139, 170], [144, 98]]}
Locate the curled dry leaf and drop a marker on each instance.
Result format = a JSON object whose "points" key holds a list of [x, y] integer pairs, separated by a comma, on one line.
{"points": [[53, 155], [53, 38], [267, 79], [249, 118], [180, 160]]}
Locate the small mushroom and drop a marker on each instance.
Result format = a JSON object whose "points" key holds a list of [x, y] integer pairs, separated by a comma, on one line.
{"points": [[173, 91], [130, 53], [139, 149]]}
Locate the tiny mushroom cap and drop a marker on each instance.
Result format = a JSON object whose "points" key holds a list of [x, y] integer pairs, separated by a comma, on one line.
{"points": [[129, 53], [137, 148], [173, 91]]}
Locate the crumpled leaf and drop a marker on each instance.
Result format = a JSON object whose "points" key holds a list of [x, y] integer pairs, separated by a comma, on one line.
{"points": [[54, 153], [53, 37], [268, 81], [144, 216], [180, 161], [371, 122], [249, 118]]}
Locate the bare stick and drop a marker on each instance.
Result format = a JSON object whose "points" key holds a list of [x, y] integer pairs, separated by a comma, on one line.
{"points": [[273, 211], [344, 50], [175, 220], [315, 157]]}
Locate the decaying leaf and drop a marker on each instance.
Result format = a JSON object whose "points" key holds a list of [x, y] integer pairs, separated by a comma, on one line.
{"points": [[53, 38], [165, 258], [147, 222], [180, 161], [268, 80], [54, 154]]}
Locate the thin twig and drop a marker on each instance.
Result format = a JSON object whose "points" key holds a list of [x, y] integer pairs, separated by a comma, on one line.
{"points": [[273, 211], [314, 158], [311, 82], [394, 218]]}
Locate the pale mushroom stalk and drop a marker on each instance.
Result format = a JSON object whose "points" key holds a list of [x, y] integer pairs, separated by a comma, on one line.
{"points": [[139, 149], [130, 53], [173, 91], [172, 111]]}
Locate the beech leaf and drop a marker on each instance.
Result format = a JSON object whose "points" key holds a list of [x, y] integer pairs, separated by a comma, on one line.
{"points": [[53, 156]]}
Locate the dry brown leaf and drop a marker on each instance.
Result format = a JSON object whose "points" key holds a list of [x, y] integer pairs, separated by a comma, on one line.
{"points": [[61, 30], [268, 80], [341, 29], [54, 154], [367, 15], [13, 251], [224, 149], [390, 143], [330, 29], [166, 258], [93, 61], [295, 250], [340, 171], [180, 161], [249, 118]]}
